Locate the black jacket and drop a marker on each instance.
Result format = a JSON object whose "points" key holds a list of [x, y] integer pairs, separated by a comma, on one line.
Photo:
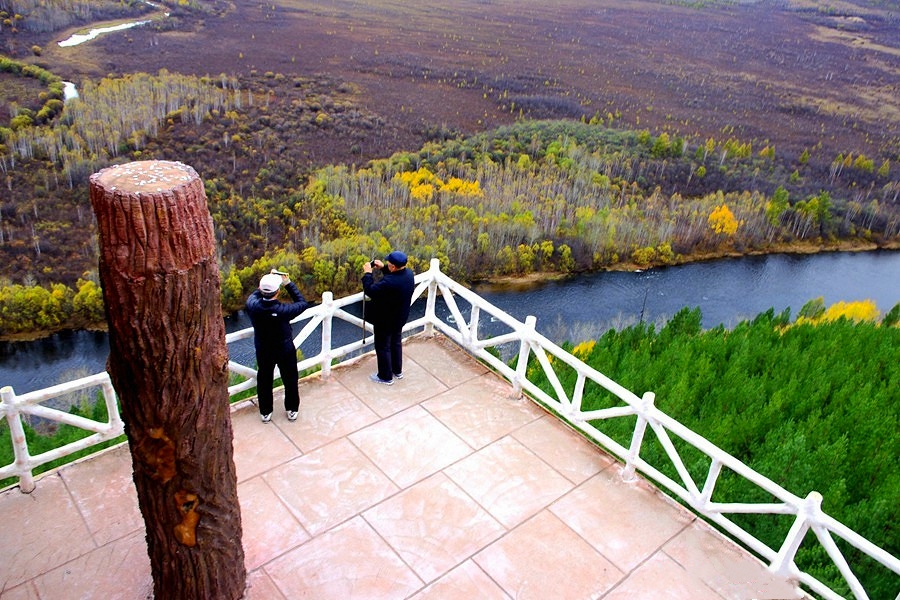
{"points": [[390, 296], [271, 320]]}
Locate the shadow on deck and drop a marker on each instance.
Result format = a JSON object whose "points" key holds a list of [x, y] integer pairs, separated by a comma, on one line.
{"points": [[440, 486]]}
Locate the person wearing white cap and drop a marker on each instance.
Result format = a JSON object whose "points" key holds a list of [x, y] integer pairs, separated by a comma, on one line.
{"points": [[391, 298], [273, 339]]}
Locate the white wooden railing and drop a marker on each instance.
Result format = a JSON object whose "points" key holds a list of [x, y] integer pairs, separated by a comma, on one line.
{"points": [[552, 361]]}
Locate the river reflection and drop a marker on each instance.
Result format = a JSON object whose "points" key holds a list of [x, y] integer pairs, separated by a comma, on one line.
{"points": [[574, 309], [727, 291], [80, 38]]}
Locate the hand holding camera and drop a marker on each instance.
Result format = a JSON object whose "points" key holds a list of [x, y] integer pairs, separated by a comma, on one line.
{"points": [[284, 276], [368, 267]]}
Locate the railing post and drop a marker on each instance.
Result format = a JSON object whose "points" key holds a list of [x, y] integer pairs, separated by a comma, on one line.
{"points": [[781, 564], [112, 406], [430, 316], [637, 437], [524, 350], [328, 306], [472, 331], [20, 444]]}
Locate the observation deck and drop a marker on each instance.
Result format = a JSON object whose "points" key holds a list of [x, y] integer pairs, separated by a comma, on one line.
{"points": [[445, 485]]}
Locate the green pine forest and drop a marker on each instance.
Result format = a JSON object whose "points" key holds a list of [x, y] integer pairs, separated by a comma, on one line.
{"points": [[533, 197], [811, 404]]}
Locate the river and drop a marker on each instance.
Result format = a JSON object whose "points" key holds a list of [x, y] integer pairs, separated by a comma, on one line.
{"points": [[578, 308]]}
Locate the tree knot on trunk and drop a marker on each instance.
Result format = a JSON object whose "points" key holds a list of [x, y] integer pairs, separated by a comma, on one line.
{"points": [[157, 455], [186, 531]]}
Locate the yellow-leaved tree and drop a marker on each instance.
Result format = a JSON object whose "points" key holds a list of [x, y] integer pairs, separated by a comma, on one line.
{"points": [[814, 312], [862, 310], [722, 220]]}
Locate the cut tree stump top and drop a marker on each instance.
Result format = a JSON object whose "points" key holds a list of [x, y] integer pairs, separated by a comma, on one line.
{"points": [[152, 217], [146, 176]]}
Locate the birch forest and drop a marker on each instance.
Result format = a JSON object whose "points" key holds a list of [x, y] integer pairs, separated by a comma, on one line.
{"points": [[533, 197]]}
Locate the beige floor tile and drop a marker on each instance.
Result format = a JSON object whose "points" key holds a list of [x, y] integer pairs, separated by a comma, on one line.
{"points": [[563, 449], [46, 531], [626, 522], [465, 581], [443, 359], [104, 492], [433, 526], [329, 485], [269, 528], [261, 587], [481, 411], [730, 571], [328, 411], [387, 400], [26, 591], [542, 558], [120, 569], [509, 481], [661, 578], [259, 446], [410, 446], [350, 562]]}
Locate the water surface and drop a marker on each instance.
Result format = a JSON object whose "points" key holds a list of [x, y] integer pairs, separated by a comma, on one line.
{"points": [[574, 309]]}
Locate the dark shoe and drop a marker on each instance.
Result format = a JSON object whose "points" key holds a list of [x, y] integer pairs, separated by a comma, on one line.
{"points": [[374, 377]]}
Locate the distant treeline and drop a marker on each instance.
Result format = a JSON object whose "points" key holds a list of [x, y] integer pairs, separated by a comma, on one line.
{"points": [[810, 404]]}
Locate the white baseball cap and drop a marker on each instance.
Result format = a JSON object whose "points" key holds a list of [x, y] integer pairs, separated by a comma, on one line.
{"points": [[270, 283]]}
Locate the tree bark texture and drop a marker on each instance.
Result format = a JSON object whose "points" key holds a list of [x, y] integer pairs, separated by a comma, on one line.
{"points": [[169, 365]]}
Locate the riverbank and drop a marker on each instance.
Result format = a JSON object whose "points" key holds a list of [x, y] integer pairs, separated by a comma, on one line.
{"points": [[577, 308], [528, 281]]}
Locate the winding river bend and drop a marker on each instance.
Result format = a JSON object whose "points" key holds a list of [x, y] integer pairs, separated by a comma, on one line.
{"points": [[727, 291]]}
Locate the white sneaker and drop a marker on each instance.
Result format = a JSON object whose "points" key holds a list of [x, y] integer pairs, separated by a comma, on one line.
{"points": [[292, 415], [266, 418], [398, 375], [374, 377]]}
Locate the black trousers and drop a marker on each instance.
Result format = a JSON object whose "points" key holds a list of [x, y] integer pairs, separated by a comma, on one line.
{"points": [[388, 351], [287, 365]]}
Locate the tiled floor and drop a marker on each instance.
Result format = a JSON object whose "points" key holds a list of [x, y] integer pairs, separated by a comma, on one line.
{"points": [[442, 486]]}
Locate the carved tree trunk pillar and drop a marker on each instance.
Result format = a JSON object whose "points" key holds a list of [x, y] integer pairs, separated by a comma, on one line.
{"points": [[168, 363]]}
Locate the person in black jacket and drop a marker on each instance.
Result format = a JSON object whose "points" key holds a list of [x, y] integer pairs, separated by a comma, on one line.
{"points": [[388, 312], [274, 341]]}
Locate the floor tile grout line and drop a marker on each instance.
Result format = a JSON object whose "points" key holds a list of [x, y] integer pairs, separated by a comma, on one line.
{"points": [[262, 569], [662, 550], [394, 550], [449, 430], [81, 515], [284, 504], [358, 513]]}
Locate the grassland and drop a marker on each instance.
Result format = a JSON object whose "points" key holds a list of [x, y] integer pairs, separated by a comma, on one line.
{"points": [[809, 75]]}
